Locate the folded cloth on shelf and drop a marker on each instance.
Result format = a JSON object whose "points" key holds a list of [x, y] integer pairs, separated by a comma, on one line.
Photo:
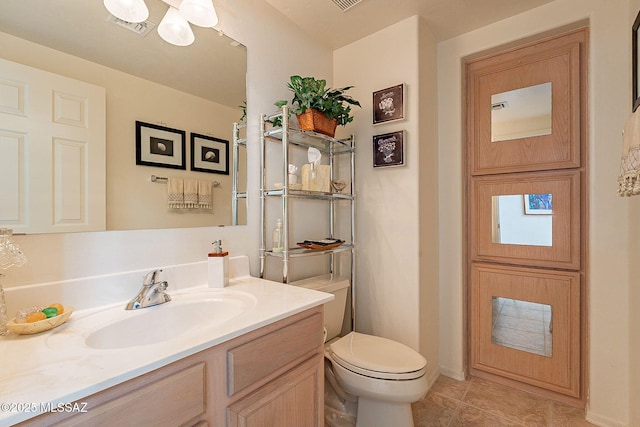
{"points": [[190, 193], [204, 194], [175, 193]]}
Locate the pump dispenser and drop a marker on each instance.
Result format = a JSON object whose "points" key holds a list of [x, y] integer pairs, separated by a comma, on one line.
{"points": [[218, 266]]}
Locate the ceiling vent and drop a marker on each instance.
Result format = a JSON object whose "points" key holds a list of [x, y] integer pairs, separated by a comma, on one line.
{"points": [[346, 4], [499, 105], [141, 28]]}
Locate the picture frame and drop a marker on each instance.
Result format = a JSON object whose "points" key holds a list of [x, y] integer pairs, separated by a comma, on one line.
{"points": [[209, 154], [160, 146], [388, 149], [635, 66], [538, 204], [388, 104]]}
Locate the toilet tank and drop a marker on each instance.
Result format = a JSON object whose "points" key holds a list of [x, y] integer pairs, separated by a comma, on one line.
{"points": [[333, 310]]}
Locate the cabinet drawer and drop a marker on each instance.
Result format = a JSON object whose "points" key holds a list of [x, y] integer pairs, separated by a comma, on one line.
{"points": [[250, 362], [170, 401]]}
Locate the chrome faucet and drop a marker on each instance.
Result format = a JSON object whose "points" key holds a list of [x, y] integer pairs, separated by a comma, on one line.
{"points": [[152, 292]]}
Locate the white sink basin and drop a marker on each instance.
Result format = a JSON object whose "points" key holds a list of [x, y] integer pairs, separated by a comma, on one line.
{"points": [[185, 314]]}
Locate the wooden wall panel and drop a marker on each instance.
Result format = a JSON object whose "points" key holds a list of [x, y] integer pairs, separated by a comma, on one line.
{"points": [[560, 290], [565, 189]]}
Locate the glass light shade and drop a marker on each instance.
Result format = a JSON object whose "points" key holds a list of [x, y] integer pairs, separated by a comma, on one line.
{"points": [[128, 10], [199, 12], [175, 29]]}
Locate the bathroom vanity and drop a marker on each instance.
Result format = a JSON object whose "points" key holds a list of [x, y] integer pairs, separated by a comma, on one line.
{"points": [[263, 366]]}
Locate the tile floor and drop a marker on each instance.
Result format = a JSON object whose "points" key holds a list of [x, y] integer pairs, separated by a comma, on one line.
{"points": [[480, 403]]}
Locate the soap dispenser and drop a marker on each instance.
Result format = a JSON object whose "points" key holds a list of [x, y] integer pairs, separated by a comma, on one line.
{"points": [[218, 266]]}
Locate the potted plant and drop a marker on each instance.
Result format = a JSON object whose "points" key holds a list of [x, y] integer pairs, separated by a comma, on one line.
{"points": [[317, 107]]}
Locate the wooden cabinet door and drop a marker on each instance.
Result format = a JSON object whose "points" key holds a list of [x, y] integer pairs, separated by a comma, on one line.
{"points": [[292, 400]]}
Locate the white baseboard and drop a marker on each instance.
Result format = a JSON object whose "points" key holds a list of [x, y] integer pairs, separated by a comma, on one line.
{"points": [[453, 373], [603, 421]]}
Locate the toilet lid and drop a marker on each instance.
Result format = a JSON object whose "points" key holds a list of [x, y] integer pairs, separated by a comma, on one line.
{"points": [[377, 357]]}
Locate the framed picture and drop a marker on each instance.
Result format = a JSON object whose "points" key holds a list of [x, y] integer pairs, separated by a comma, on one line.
{"points": [[388, 149], [635, 66], [209, 154], [160, 146], [388, 104], [538, 204]]}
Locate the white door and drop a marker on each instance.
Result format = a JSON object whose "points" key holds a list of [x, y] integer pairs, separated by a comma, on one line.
{"points": [[52, 152]]}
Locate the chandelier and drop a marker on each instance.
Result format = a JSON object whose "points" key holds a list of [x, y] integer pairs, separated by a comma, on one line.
{"points": [[174, 27]]}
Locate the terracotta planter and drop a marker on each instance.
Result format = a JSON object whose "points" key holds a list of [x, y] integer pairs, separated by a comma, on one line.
{"points": [[316, 121]]}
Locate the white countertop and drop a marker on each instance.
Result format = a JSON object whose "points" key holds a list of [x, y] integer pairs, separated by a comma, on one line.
{"points": [[36, 370]]}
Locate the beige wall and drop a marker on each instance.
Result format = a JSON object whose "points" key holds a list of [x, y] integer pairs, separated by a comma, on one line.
{"points": [[634, 282], [133, 202], [608, 274], [396, 223]]}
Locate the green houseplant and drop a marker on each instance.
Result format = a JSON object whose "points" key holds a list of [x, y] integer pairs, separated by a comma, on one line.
{"points": [[313, 102]]}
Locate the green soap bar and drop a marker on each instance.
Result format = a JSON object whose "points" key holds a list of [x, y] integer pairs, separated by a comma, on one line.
{"points": [[50, 312]]}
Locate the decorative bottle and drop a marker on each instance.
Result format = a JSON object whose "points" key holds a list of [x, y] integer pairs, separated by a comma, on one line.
{"points": [[278, 241]]}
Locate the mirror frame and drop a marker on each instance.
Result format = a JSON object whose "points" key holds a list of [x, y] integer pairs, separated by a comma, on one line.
{"points": [[635, 68], [557, 61], [565, 249]]}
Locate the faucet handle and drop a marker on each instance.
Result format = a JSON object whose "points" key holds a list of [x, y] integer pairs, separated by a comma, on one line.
{"points": [[151, 277]]}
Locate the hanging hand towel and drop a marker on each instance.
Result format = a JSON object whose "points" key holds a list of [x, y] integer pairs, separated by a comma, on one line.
{"points": [[191, 193], [629, 178], [175, 193], [204, 194]]}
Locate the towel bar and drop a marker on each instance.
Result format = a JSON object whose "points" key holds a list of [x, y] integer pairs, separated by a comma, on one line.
{"points": [[155, 178]]}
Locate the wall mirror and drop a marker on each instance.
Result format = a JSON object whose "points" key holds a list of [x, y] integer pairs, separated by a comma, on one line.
{"points": [[523, 219], [526, 218], [521, 113], [522, 325], [525, 323], [524, 108], [80, 40]]}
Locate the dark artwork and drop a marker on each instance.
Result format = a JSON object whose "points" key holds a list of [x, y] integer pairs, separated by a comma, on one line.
{"points": [[388, 104], [211, 155], [163, 147], [388, 149]]}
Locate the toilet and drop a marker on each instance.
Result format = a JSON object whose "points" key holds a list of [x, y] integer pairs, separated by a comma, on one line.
{"points": [[384, 375]]}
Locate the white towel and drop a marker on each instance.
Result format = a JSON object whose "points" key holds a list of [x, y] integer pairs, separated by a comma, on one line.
{"points": [[175, 193], [191, 193], [629, 178], [204, 194]]}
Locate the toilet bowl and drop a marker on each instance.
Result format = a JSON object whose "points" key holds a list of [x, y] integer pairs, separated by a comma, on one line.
{"points": [[384, 375]]}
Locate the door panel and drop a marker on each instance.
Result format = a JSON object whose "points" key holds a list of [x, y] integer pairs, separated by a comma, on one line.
{"points": [[556, 61], [52, 147], [559, 290], [564, 216]]}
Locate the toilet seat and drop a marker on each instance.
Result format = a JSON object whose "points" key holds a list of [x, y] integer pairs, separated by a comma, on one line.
{"points": [[377, 357]]}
